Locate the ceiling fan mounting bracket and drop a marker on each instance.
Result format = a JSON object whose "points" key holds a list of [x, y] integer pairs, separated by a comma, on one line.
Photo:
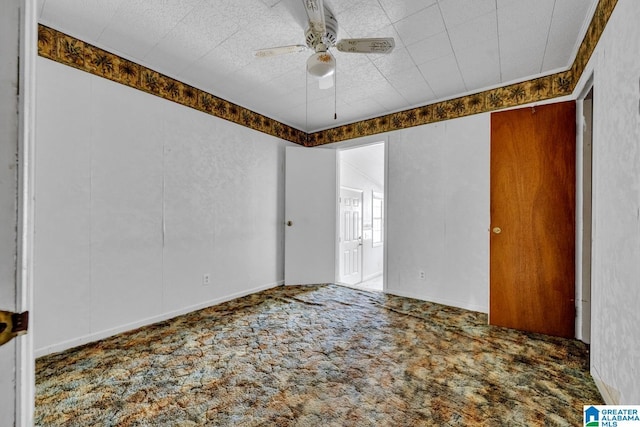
{"points": [[329, 38]]}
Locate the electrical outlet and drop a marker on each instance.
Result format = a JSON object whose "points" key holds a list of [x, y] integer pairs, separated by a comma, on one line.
{"points": [[421, 275], [206, 279]]}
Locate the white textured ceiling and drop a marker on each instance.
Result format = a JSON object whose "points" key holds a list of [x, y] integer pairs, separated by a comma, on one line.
{"points": [[444, 48]]}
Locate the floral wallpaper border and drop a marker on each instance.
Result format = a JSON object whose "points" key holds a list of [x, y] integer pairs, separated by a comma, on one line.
{"points": [[68, 50], [538, 89]]}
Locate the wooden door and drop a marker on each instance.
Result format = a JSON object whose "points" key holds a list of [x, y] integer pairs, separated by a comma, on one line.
{"points": [[532, 255], [350, 236], [310, 216]]}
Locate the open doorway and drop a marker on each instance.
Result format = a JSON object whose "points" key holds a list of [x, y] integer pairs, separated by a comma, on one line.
{"points": [[361, 217]]}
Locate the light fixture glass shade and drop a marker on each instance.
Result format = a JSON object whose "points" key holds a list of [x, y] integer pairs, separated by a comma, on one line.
{"points": [[321, 64]]}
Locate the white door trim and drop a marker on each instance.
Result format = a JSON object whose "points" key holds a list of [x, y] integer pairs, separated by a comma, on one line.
{"points": [[583, 260], [25, 363]]}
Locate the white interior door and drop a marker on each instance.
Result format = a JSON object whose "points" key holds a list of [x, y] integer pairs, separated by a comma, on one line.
{"points": [[18, 44], [310, 216], [8, 201], [350, 237]]}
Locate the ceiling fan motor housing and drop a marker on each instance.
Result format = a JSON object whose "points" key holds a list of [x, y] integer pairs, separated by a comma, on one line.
{"points": [[329, 38]]}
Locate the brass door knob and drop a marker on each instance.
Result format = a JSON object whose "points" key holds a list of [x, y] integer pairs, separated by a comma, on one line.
{"points": [[497, 230]]}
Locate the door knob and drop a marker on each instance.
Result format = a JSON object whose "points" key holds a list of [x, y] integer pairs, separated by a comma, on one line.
{"points": [[497, 230], [289, 223]]}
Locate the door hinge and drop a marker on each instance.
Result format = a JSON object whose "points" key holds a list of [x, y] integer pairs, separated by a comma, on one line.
{"points": [[12, 325]]}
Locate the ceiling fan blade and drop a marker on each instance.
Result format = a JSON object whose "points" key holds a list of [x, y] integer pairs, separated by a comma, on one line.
{"points": [[326, 82], [315, 12], [280, 50], [372, 45]]}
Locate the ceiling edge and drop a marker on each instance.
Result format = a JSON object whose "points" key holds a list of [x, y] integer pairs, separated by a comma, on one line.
{"points": [[534, 90], [62, 48]]}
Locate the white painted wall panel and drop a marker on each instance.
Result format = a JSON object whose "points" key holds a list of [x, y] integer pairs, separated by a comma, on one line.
{"points": [[63, 206], [438, 212], [189, 208], [415, 208], [218, 198], [467, 196], [126, 205], [615, 350], [155, 195]]}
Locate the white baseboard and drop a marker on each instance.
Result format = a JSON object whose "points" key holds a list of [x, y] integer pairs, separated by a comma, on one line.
{"points": [[610, 395], [99, 335], [429, 298]]}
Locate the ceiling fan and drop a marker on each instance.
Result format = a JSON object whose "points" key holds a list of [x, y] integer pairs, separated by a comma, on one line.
{"points": [[320, 36]]}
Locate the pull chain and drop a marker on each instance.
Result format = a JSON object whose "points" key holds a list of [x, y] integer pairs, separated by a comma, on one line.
{"points": [[306, 99], [335, 97]]}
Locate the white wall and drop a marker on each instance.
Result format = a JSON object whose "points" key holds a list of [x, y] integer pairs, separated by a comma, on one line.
{"points": [[438, 212], [136, 199], [615, 333]]}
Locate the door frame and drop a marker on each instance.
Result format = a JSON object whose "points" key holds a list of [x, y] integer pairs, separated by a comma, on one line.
{"points": [[583, 321], [25, 369], [24, 356], [359, 143], [584, 85]]}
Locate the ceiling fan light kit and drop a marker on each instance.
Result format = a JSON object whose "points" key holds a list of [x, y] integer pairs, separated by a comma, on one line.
{"points": [[321, 64]]}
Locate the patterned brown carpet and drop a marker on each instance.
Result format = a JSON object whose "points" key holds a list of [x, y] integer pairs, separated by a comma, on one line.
{"points": [[318, 356]]}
